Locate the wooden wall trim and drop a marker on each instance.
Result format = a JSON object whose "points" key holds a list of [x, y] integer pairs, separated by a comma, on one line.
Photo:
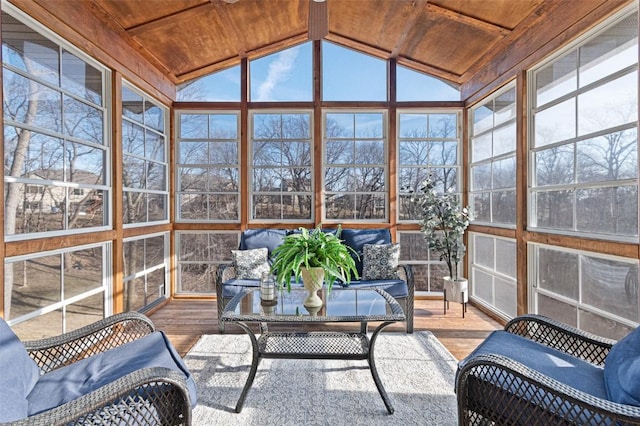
{"points": [[629, 250], [522, 286], [111, 48], [117, 193], [37, 245]]}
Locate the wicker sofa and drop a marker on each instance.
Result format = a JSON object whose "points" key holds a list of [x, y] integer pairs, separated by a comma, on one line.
{"points": [[400, 287], [118, 370], [538, 371]]}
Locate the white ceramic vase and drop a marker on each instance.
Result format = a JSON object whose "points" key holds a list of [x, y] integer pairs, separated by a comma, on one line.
{"points": [[312, 278], [456, 290]]}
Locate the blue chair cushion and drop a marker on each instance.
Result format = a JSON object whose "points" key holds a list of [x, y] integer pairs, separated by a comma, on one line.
{"points": [[395, 287], [622, 370], [553, 363], [70, 382], [357, 238], [262, 238], [18, 375]]}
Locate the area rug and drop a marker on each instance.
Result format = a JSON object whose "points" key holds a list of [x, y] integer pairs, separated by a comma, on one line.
{"points": [[415, 369]]}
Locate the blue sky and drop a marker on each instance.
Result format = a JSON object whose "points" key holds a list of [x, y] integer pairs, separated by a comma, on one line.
{"points": [[348, 76]]}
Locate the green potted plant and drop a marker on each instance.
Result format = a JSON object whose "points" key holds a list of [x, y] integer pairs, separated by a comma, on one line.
{"points": [[443, 222], [315, 256]]}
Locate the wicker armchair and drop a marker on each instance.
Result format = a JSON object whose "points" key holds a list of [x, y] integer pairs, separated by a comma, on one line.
{"points": [[146, 396], [494, 388]]}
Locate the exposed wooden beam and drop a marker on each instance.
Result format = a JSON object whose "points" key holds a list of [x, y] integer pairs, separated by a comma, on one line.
{"points": [[169, 19], [467, 20]]}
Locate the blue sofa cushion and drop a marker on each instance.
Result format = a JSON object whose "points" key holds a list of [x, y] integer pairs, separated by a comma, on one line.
{"points": [[250, 263], [70, 382], [262, 238], [380, 261], [357, 238], [18, 375], [397, 288], [556, 364], [622, 370]]}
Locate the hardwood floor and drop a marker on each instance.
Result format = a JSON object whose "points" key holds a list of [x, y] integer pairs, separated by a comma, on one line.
{"points": [[185, 321]]}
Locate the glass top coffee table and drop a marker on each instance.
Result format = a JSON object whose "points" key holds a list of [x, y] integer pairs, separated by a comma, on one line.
{"points": [[340, 306]]}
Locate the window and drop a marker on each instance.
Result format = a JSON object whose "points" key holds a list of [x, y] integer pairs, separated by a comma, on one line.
{"points": [[145, 168], [283, 76], [281, 179], [355, 165], [428, 146], [208, 167], [592, 292], [493, 272], [55, 127], [222, 86], [146, 268], [427, 270], [493, 158], [584, 158], [364, 79], [199, 254], [416, 86], [56, 292]]}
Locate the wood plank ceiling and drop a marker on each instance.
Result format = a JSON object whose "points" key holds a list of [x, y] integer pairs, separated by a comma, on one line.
{"points": [[451, 39]]}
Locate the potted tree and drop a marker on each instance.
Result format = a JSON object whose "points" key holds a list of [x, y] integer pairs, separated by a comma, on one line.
{"points": [[443, 222], [316, 257]]}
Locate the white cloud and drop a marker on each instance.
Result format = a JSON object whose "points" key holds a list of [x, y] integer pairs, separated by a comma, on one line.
{"points": [[279, 71]]}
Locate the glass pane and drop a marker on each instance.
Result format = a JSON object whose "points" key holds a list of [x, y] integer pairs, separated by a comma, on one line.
{"points": [[132, 138], [554, 166], [32, 284], [556, 79], [481, 177], [83, 272], [267, 207], [481, 207], [45, 325], [504, 139], [506, 257], [505, 105], [612, 104], [223, 126], [221, 86], [338, 179], [86, 211], [154, 251], [133, 172], [156, 176], [132, 105], [339, 152], [155, 147], [555, 124], [603, 287], [481, 147], [192, 206], [369, 152], [611, 51], [81, 79], [369, 179], [84, 312], [558, 310], [194, 247], [156, 286], [267, 126], [415, 86], [482, 117], [134, 207], [504, 173], [608, 210], [282, 76], [483, 251], [296, 154], [339, 206], [482, 286], [443, 153], [133, 257], [194, 126], [157, 207], [554, 209], [223, 153], [558, 272], [224, 207], [609, 157], [29, 51], [413, 153], [193, 152], [443, 126], [84, 164], [365, 79], [134, 294], [197, 278], [20, 94], [154, 115], [44, 155], [370, 206], [503, 204], [83, 121], [413, 125], [506, 296], [296, 206], [596, 324]]}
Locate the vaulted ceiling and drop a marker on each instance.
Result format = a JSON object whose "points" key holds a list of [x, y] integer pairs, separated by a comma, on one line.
{"points": [[451, 39]]}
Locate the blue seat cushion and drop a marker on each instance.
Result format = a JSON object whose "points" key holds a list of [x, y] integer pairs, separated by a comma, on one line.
{"points": [[395, 287], [18, 375], [622, 370], [262, 238], [70, 382], [553, 363], [357, 238]]}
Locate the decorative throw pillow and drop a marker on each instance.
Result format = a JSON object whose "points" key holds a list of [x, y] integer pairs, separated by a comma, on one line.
{"points": [[250, 263], [622, 370], [380, 261]]}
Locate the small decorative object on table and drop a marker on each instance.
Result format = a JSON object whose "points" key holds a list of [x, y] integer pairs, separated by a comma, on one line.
{"points": [[267, 290]]}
